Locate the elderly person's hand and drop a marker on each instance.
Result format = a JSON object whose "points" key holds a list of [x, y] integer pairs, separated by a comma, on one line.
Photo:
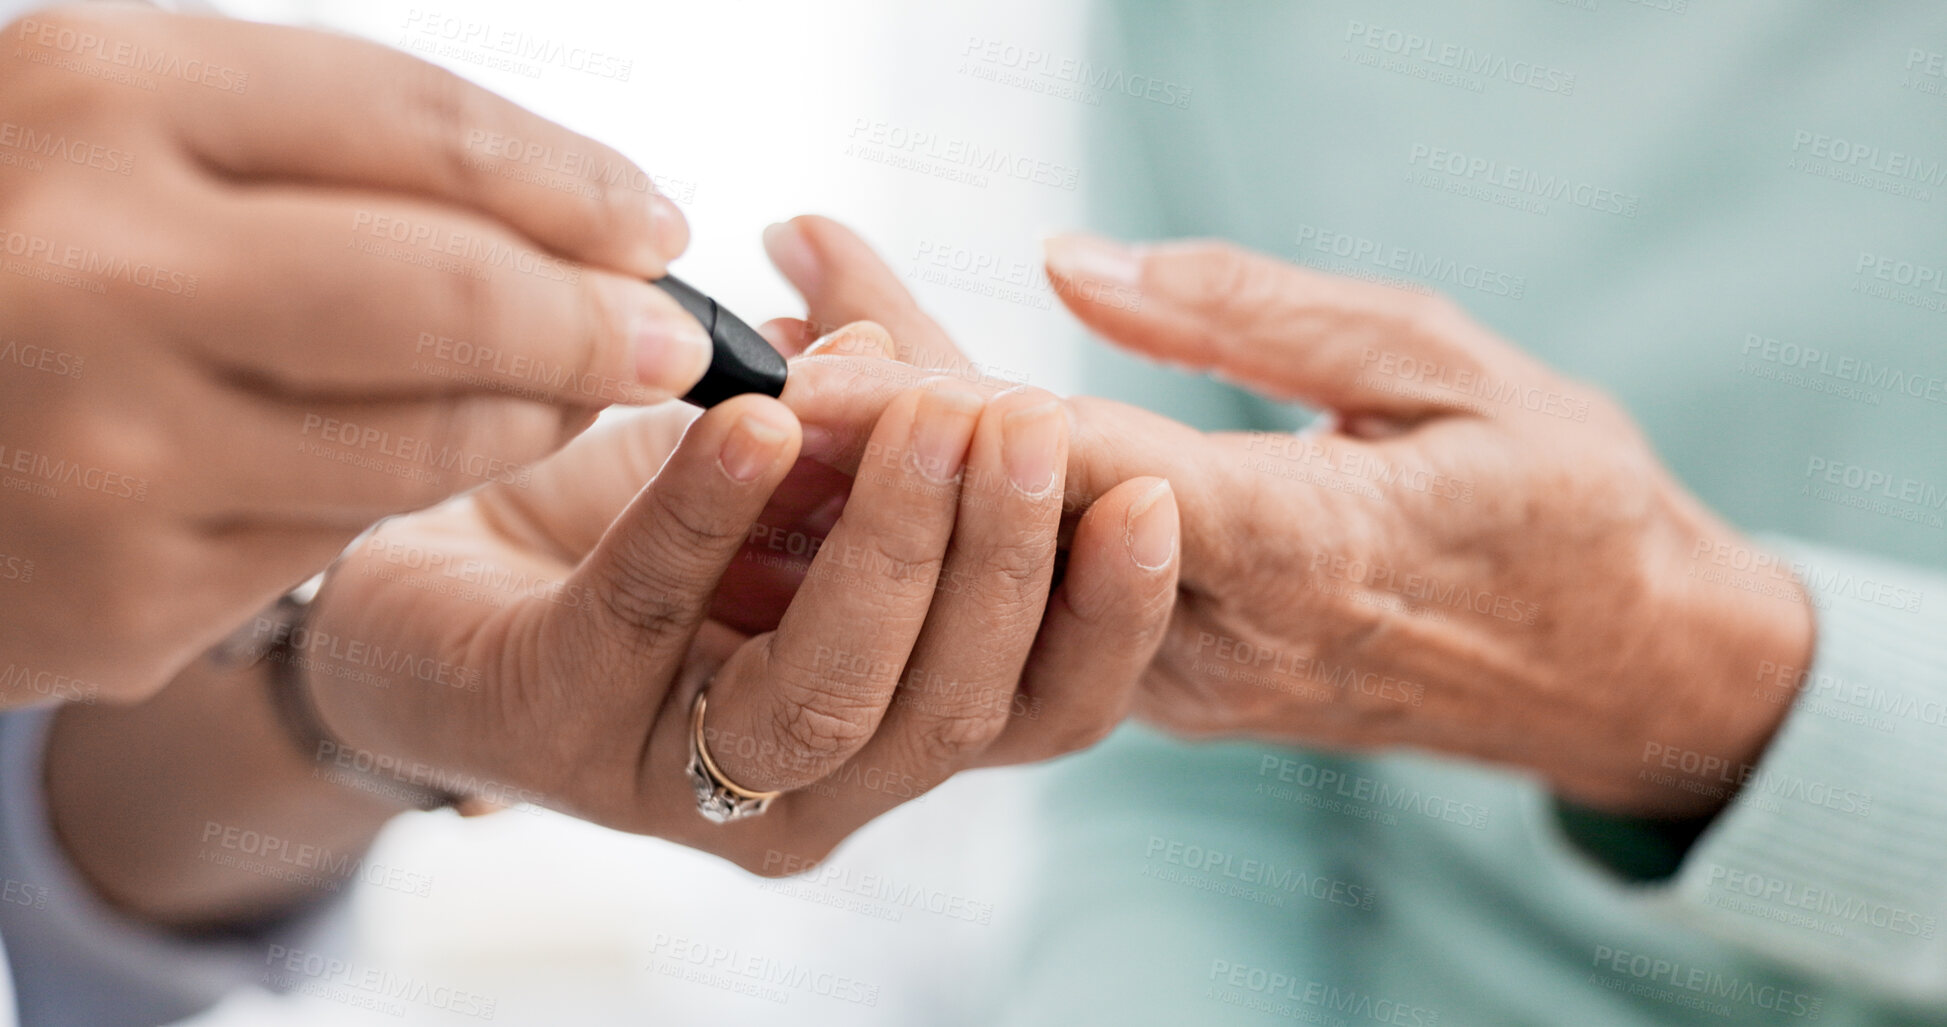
{"points": [[1475, 556], [548, 642]]}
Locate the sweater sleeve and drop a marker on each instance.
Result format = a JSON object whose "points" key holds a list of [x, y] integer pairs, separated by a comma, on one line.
{"points": [[73, 959], [1833, 856]]}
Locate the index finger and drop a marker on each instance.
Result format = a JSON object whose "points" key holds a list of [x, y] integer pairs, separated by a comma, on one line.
{"points": [[307, 106]]}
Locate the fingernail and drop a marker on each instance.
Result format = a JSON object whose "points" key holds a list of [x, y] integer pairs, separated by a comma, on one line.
{"points": [[671, 350], [750, 449], [667, 226], [1152, 527], [942, 426], [1030, 441], [793, 256], [1091, 258]]}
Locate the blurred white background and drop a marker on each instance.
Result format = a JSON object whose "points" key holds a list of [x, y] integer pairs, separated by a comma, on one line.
{"points": [[748, 112]]}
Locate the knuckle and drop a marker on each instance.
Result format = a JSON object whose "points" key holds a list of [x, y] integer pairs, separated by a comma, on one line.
{"points": [[1235, 283], [445, 109], [957, 738], [1019, 568], [907, 556], [599, 337], [471, 305], [697, 529], [635, 598], [814, 730]]}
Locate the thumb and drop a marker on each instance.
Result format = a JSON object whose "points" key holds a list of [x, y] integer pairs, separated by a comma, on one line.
{"points": [[1291, 333], [649, 582]]}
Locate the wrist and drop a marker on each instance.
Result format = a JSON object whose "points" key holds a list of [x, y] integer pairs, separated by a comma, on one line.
{"points": [[142, 799], [1739, 621]]}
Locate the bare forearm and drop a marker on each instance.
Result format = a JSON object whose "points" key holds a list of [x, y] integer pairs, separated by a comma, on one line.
{"points": [[194, 810]]}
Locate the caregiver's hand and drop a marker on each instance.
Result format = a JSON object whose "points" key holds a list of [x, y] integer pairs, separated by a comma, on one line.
{"points": [[1482, 559], [263, 286], [555, 655]]}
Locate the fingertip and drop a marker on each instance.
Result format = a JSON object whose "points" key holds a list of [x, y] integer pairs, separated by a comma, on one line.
{"points": [[788, 335], [669, 230], [858, 339], [761, 440], [669, 350], [792, 254], [1152, 526], [1081, 260]]}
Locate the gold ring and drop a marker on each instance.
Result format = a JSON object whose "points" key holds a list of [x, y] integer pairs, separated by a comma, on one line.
{"points": [[717, 797]]}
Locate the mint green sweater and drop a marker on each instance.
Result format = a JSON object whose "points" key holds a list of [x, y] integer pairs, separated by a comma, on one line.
{"points": [[1733, 216]]}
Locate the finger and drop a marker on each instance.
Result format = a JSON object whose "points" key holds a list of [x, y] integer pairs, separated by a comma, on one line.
{"points": [[867, 595], [345, 465], [347, 295], [572, 497], [839, 398], [955, 696], [1103, 626], [301, 106], [1339, 343], [788, 335], [651, 577], [842, 280]]}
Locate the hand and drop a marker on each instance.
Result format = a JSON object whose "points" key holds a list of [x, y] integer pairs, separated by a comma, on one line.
{"points": [[282, 285], [557, 635], [1476, 557]]}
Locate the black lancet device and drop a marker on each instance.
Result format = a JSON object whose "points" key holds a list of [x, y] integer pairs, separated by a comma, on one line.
{"points": [[740, 361]]}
